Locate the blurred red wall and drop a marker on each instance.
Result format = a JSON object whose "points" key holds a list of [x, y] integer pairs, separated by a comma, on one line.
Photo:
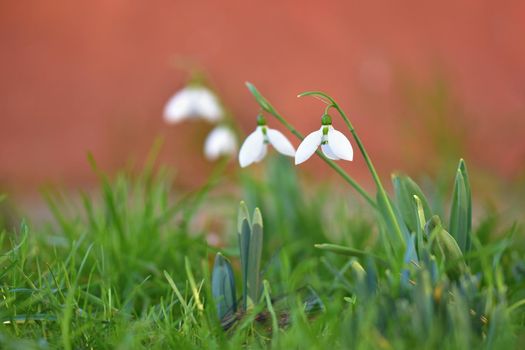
{"points": [[94, 75]]}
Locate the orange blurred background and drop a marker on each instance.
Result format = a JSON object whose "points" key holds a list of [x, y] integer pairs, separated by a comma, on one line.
{"points": [[424, 82]]}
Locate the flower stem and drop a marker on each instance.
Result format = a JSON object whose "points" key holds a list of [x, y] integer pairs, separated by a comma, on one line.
{"points": [[380, 189]]}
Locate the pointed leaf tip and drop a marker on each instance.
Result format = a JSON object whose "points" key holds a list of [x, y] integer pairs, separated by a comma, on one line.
{"points": [[259, 98], [257, 217], [242, 215], [223, 287]]}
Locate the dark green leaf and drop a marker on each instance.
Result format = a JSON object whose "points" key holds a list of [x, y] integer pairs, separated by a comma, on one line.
{"points": [[223, 287], [254, 258], [244, 250], [405, 189]]}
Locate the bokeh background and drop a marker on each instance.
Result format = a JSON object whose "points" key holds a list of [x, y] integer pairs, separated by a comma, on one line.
{"points": [[425, 82]]}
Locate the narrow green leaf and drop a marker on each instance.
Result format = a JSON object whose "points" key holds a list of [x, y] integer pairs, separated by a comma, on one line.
{"points": [[397, 240], [422, 252], [242, 215], [257, 217], [404, 203], [339, 249], [405, 189], [420, 213], [223, 287], [464, 172], [358, 270], [269, 306], [423, 298], [185, 306], [254, 258], [459, 212], [413, 188], [244, 251], [194, 290], [263, 102]]}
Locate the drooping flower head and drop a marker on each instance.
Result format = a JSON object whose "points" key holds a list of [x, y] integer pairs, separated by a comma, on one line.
{"points": [[255, 146], [193, 102], [334, 144], [220, 142]]}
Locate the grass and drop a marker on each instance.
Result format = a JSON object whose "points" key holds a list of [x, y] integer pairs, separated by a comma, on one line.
{"points": [[133, 270]]}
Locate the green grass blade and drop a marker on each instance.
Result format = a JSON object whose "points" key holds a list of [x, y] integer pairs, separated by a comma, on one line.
{"points": [[460, 218], [468, 192], [194, 290], [339, 249], [187, 310], [269, 305]]}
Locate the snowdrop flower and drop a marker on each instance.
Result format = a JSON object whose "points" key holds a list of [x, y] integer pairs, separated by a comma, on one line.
{"points": [[255, 146], [193, 102], [221, 141], [334, 144]]}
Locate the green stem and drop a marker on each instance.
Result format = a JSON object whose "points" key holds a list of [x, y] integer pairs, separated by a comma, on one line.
{"points": [[330, 162], [380, 189]]}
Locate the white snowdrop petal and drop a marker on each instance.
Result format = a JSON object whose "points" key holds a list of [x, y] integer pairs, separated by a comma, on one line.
{"points": [[179, 106], [328, 152], [280, 142], [220, 141], [340, 145], [251, 148], [207, 105], [308, 146], [261, 155]]}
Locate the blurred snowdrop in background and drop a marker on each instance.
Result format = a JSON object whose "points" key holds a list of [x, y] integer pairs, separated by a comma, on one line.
{"points": [[193, 102], [198, 102], [221, 141]]}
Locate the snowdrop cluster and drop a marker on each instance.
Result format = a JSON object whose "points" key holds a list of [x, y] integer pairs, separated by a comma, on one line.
{"points": [[198, 102], [334, 144]]}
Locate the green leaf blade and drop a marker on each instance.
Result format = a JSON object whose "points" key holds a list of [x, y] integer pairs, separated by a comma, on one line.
{"points": [[459, 223], [244, 252], [254, 258], [261, 100], [405, 189], [223, 287]]}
